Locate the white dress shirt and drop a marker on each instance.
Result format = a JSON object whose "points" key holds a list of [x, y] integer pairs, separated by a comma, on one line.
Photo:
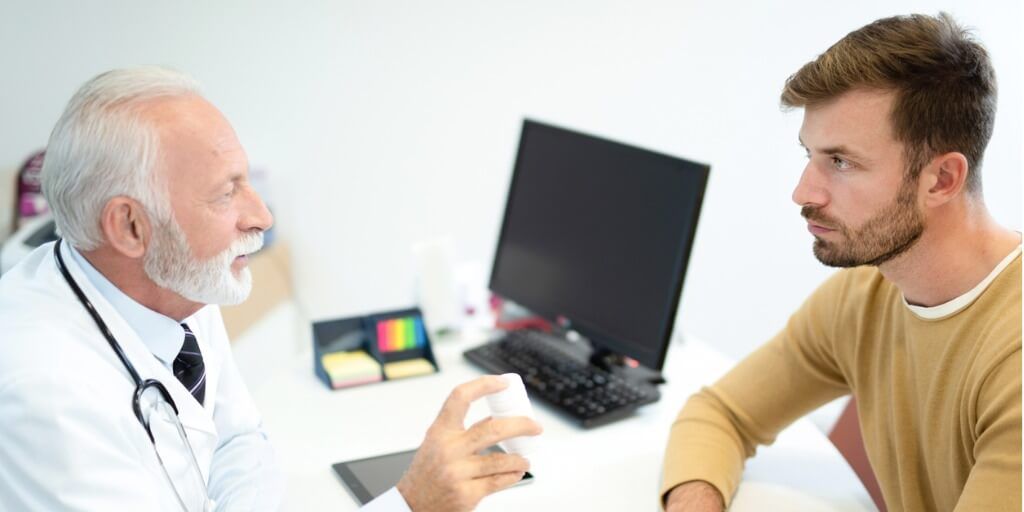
{"points": [[390, 501]]}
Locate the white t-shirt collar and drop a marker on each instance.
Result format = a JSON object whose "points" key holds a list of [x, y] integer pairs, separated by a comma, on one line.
{"points": [[955, 305]]}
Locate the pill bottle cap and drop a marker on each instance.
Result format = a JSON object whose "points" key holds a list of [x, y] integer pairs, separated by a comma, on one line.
{"points": [[512, 398]]}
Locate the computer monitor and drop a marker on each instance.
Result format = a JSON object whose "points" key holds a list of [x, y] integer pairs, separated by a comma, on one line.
{"points": [[597, 235]]}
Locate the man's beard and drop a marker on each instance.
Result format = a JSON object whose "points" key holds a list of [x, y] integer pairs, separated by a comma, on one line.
{"points": [[169, 263], [889, 233]]}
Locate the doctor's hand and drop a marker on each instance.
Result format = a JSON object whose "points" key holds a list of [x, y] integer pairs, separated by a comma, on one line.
{"points": [[447, 473], [694, 496]]}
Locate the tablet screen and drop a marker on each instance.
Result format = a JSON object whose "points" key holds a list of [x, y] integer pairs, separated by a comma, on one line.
{"points": [[371, 477]]}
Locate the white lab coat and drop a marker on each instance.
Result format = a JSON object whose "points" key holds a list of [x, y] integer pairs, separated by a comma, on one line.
{"points": [[69, 439]]}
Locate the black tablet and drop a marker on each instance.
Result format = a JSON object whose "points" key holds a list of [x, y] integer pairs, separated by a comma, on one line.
{"points": [[371, 477]]}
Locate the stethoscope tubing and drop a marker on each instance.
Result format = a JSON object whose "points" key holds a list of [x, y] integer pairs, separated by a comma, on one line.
{"points": [[140, 385]]}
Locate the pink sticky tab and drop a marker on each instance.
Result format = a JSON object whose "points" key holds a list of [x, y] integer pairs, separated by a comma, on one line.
{"points": [[382, 336]]}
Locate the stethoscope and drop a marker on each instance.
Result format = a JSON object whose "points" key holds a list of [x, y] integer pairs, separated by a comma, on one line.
{"points": [[141, 386]]}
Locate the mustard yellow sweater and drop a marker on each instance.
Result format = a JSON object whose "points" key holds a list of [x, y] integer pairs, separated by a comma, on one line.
{"points": [[939, 400]]}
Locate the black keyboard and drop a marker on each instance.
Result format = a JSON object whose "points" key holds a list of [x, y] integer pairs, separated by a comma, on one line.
{"points": [[588, 394]]}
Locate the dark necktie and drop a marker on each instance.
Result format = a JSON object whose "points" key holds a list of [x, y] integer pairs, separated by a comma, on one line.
{"points": [[189, 368]]}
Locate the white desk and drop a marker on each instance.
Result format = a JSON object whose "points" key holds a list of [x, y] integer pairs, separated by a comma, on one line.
{"points": [[614, 467]]}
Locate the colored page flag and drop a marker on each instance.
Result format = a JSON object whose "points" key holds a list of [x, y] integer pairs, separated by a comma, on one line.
{"points": [[401, 334]]}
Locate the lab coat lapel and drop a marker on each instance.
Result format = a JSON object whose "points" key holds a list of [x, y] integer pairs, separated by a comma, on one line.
{"points": [[191, 414]]}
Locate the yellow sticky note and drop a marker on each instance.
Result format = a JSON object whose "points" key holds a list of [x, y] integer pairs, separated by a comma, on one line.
{"points": [[350, 368], [408, 368]]}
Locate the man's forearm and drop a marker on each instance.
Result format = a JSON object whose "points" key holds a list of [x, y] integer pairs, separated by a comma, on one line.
{"points": [[704, 445], [694, 496]]}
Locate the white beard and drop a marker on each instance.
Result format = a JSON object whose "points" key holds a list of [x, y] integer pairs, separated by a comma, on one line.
{"points": [[169, 263]]}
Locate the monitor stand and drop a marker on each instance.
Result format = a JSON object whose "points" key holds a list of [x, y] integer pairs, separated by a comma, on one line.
{"points": [[617, 364]]}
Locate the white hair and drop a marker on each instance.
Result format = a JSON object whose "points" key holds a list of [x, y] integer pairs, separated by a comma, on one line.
{"points": [[102, 147]]}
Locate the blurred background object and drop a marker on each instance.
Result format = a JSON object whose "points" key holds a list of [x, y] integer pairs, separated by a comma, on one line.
{"points": [[35, 232], [436, 287], [29, 202], [31, 222]]}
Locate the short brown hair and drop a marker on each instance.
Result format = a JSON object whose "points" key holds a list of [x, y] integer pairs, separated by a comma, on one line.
{"points": [[944, 84]]}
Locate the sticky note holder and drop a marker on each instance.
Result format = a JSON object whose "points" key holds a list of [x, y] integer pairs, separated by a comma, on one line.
{"points": [[397, 340]]}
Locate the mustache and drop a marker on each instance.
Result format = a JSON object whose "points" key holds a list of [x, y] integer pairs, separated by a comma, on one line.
{"points": [[814, 215], [247, 244]]}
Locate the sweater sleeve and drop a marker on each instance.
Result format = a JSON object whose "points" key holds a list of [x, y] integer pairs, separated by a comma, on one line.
{"points": [[995, 480], [796, 371]]}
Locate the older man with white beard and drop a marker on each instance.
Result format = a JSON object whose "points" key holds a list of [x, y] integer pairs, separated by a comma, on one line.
{"points": [[118, 390]]}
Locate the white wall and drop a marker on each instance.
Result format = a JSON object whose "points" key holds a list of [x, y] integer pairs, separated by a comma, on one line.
{"points": [[384, 123]]}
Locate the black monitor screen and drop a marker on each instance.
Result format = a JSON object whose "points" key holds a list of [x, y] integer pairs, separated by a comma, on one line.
{"points": [[599, 233]]}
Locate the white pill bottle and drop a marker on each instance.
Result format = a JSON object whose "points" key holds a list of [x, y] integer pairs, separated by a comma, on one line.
{"points": [[512, 401]]}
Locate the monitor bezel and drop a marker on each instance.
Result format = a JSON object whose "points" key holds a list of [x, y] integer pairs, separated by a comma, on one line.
{"points": [[596, 335]]}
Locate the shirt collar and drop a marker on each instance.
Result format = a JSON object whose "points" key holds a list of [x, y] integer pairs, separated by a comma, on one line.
{"points": [[161, 334], [958, 304]]}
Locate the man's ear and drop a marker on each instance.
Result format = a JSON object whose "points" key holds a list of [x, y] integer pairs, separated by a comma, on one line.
{"points": [[126, 226], [944, 178]]}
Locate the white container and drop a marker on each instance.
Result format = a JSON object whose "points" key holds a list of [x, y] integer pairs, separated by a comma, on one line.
{"points": [[437, 288], [512, 401]]}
